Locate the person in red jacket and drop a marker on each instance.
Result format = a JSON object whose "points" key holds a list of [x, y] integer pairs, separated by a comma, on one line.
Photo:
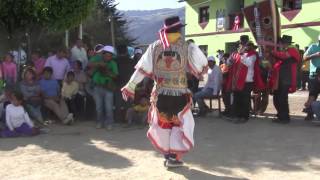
{"points": [[283, 77], [245, 77]]}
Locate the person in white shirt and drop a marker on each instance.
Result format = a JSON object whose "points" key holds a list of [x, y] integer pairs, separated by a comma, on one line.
{"points": [[19, 56], [244, 81], [18, 122], [79, 53], [212, 87]]}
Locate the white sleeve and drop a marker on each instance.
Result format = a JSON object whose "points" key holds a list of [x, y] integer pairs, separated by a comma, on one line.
{"points": [[74, 54], [197, 61], [47, 64], [27, 119], [145, 64], [248, 61], [8, 118]]}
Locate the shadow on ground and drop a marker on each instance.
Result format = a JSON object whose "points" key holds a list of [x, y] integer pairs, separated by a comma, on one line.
{"points": [[196, 174], [220, 146], [75, 142]]}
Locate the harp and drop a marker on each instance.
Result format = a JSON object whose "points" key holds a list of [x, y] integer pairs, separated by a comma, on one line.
{"points": [[264, 22]]}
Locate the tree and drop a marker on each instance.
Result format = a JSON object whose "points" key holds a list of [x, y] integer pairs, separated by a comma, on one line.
{"points": [[21, 18], [46, 20], [98, 22], [22, 15]]}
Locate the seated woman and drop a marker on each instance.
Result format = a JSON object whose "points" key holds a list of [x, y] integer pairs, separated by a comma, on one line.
{"points": [[69, 91], [30, 89], [18, 122]]}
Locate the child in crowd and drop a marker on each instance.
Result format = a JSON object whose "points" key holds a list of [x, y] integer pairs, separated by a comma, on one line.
{"points": [[18, 122], [138, 112], [69, 91], [4, 101], [9, 70], [82, 97], [52, 100], [80, 77], [30, 89]]}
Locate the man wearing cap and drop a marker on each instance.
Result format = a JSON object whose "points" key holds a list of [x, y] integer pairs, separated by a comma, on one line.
{"points": [[313, 55], [212, 87], [245, 75], [283, 77], [167, 61], [137, 54], [97, 57], [220, 56], [104, 75]]}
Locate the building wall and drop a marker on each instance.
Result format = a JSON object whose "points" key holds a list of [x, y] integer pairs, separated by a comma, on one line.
{"points": [[301, 35]]}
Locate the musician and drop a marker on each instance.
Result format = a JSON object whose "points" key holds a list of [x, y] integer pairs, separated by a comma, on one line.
{"points": [[227, 93], [245, 74], [283, 77]]}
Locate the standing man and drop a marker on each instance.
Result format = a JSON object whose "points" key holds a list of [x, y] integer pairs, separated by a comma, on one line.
{"points": [[105, 73], [167, 61], [59, 65], [126, 69], [212, 87], [315, 105], [220, 56], [312, 55], [305, 74], [79, 53], [137, 55], [246, 76], [283, 78]]}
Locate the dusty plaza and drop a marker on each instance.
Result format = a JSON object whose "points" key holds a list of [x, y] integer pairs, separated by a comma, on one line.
{"points": [[256, 150], [159, 90]]}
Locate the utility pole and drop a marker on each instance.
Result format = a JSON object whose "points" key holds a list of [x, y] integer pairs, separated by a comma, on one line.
{"points": [[67, 38], [29, 50], [80, 31], [111, 21]]}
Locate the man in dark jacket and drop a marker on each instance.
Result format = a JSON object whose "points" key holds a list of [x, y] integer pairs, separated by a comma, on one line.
{"points": [[126, 69], [283, 80]]}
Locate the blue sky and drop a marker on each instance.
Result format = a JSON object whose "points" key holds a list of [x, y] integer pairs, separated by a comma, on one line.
{"points": [[147, 4]]}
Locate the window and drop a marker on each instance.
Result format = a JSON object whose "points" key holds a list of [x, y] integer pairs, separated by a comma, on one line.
{"points": [[235, 14], [204, 14], [236, 18], [204, 49], [289, 5]]}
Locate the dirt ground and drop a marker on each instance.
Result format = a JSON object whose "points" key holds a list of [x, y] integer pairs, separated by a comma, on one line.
{"points": [[258, 150]]}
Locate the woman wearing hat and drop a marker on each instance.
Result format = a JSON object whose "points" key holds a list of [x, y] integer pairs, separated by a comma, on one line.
{"points": [[283, 77], [167, 61]]}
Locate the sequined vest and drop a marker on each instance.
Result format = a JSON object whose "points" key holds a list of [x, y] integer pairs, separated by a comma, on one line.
{"points": [[169, 69]]}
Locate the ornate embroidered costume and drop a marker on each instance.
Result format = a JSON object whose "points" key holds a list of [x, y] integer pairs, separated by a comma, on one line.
{"points": [[170, 117]]}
